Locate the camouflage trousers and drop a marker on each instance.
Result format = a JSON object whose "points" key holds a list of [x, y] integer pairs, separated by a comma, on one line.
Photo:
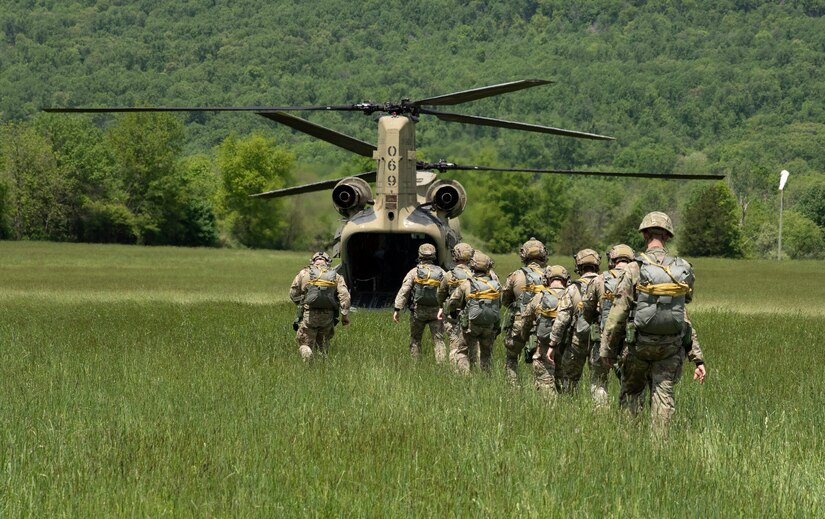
{"points": [[422, 318], [514, 343], [543, 370], [479, 339], [454, 333], [658, 366], [598, 377], [315, 331], [572, 364]]}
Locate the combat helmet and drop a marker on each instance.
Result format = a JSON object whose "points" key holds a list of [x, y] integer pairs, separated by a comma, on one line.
{"points": [[320, 255], [533, 250], [557, 272], [481, 262], [463, 252], [587, 257], [617, 252], [657, 219], [426, 252]]}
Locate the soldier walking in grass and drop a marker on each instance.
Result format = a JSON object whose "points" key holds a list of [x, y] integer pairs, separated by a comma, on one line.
{"points": [[519, 289], [420, 290], [478, 299], [462, 254], [321, 294], [541, 312], [596, 304], [570, 322], [650, 306]]}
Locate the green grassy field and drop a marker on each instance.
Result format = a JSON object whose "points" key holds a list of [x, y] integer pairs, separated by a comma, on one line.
{"points": [[161, 381]]}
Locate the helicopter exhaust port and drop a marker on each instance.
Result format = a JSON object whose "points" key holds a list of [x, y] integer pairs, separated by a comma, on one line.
{"points": [[351, 195], [447, 196]]}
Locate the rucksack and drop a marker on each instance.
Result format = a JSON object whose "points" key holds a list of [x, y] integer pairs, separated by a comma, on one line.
{"points": [[611, 284], [533, 284], [425, 284], [322, 288], [484, 301], [582, 327], [548, 310], [660, 295]]}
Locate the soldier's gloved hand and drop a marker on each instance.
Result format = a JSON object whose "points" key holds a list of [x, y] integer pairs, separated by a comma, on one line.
{"points": [[440, 315], [395, 314], [699, 373], [345, 319], [550, 358]]}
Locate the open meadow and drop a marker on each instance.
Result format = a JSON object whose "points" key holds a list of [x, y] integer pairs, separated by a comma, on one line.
{"points": [[141, 381]]}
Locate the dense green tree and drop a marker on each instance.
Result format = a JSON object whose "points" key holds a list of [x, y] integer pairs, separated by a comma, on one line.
{"points": [[247, 166], [147, 149], [710, 225], [35, 195], [812, 203]]}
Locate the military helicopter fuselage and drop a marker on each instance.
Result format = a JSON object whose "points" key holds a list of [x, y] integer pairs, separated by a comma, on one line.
{"points": [[379, 237]]}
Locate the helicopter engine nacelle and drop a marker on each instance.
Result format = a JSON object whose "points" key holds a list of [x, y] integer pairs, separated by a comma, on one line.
{"points": [[447, 196], [351, 195]]}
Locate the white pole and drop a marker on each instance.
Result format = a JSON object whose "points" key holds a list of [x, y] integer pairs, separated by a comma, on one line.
{"points": [[783, 177], [781, 199]]}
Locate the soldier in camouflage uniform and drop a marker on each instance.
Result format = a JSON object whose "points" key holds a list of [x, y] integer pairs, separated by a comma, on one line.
{"points": [[321, 293], [595, 306], [420, 288], [542, 311], [518, 291], [570, 320], [479, 301], [462, 254], [650, 306]]}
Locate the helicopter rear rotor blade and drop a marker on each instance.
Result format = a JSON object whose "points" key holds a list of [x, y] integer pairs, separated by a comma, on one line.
{"points": [[500, 123], [445, 166], [310, 188], [480, 93], [341, 140]]}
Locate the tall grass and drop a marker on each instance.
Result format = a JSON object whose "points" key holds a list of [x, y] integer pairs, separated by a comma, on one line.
{"points": [[160, 381]]}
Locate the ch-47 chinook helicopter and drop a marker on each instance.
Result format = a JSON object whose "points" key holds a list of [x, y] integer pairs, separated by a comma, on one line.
{"points": [[380, 232]]}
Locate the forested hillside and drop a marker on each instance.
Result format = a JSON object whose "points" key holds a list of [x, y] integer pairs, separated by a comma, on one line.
{"points": [[733, 87]]}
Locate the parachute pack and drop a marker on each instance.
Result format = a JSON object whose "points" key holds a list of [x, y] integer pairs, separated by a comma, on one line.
{"points": [[549, 309], [533, 284], [611, 284], [425, 284], [582, 327], [483, 302], [661, 294], [321, 288]]}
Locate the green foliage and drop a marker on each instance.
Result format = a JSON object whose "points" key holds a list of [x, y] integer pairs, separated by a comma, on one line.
{"points": [[147, 148], [700, 86], [710, 224], [812, 203], [35, 196], [801, 238], [252, 165], [506, 209]]}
